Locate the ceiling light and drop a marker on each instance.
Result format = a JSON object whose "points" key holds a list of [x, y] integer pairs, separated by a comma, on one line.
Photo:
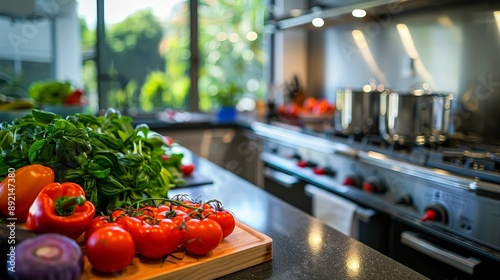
{"points": [[359, 13], [318, 22]]}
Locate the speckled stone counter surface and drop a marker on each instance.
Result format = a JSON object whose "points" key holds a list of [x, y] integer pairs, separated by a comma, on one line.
{"points": [[303, 247]]}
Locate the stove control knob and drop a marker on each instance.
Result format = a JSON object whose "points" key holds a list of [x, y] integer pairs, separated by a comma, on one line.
{"points": [[311, 164], [302, 163], [329, 172], [296, 156], [435, 213], [406, 200], [351, 181], [374, 185], [319, 171]]}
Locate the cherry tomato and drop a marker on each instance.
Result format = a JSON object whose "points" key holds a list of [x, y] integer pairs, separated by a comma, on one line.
{"points": [[202, 236], [187, 169], [97, 223], [292, 110], [157, 240], [226, 221], [110, 249], [177, 216], [309, 104], [169, 141], [321, 107], [162, 208]]}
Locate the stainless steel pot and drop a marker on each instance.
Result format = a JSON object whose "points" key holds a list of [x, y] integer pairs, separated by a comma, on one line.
{"points": [[417, 117], [357, 112]]}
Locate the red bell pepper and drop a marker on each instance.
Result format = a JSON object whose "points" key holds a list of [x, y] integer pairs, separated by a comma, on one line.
{"points": [[61, 208]]}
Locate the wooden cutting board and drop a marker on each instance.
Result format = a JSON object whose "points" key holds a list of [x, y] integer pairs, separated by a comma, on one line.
{"points": [[245, 247]]}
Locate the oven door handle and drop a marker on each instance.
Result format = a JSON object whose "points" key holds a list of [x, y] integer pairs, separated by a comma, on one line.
{"points": [[282, 178], [463, 263]]}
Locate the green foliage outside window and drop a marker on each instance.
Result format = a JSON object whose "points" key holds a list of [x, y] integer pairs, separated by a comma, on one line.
{"points": [[150, 60]]}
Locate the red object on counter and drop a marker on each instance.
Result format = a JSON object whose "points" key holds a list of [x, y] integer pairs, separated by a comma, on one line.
{"points": [[75, 98], [430, 215], [61, 208], [187, 169]]}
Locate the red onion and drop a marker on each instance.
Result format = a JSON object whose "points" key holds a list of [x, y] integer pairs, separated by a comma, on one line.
{"points": [[47, 256]]}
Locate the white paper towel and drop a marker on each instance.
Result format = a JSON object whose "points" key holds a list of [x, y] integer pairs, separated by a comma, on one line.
{"points": [[332, 209]]}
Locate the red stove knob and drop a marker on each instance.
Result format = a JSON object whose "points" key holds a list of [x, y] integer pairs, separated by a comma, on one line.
{"points": [[302, 163], [351, 181], [430, 215], [373, 186], [435, 213], [319, 171]]}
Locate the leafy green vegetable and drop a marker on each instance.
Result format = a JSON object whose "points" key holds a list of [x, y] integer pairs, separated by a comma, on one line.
{"points": [[115, 163], [50, 92]]}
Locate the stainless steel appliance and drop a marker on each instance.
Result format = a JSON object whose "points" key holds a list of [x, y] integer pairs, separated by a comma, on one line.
{"points": [[357, 112], [442, 201], [419, 116]]}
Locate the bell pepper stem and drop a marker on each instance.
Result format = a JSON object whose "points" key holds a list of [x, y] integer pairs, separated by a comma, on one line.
{"points": [[66, 206]]}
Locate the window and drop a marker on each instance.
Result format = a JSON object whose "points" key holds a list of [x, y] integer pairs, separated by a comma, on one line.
{"points": [[145, 59], [138, 56]]}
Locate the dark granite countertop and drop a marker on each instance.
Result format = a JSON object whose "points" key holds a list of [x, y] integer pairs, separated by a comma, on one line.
{"points": [[303, 247]]}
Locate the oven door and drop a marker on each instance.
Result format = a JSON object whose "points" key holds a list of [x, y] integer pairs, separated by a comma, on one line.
{"points": [[287, 187], [365, 225], [436, 257]]}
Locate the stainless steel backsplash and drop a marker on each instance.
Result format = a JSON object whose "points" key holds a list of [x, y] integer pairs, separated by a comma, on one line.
{"points": [[456, 49]]}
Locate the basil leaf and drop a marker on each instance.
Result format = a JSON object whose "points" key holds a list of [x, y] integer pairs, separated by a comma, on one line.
{"points": [[110, 187], [131, 160], [43, 116], [6, 139], [66, 152], [41, 151], [63, 125]]}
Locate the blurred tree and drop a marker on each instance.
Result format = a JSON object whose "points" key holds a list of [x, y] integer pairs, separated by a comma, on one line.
{"points": [[151, 58], [133, 52]]}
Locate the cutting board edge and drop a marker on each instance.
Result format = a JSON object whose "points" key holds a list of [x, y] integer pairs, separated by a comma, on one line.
{"points": [[245, 256], [205, 271]]}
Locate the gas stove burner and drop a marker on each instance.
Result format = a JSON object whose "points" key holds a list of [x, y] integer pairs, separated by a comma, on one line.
{"points": [[480, 164]]}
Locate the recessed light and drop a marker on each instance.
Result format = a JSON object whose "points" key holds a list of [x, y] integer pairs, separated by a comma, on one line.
{"points": [[318, 22], [359, 13]]}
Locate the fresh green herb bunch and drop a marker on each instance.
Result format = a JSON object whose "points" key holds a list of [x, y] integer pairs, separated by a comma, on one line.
{"points": [[50, 92], [115, 163]]}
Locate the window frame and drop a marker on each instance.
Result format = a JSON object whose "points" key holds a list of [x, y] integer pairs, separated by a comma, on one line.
{"points": [[101, 64]]}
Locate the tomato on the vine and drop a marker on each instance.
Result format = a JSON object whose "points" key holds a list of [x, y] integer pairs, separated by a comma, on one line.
{"points": [[187, 169], [177, 216], [110, 249], [104, 221], [225, 219], [202, 236], [157, 240]]}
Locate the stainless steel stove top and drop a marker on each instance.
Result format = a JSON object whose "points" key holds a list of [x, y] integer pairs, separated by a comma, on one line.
{"points": [[452, 194]]}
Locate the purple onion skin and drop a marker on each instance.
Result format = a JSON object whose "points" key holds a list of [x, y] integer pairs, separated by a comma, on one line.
{"points": [[66, 265]]}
